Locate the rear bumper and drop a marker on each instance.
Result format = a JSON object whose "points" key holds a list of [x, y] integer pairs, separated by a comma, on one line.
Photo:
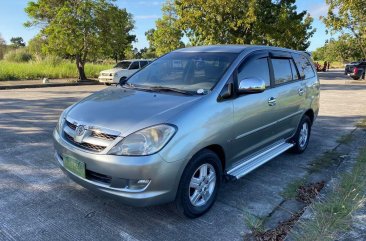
{"points": [[163, 175]]}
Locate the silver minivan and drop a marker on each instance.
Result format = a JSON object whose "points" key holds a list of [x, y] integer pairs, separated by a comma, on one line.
{"points": [[175, 129]]}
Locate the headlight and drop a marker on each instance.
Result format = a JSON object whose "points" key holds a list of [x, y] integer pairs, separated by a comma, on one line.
{"points": [[144, 142]]}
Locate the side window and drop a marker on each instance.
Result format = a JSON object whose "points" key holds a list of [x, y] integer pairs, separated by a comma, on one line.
{"points": [[134, 65], [255, 68], [282, 70], [304, 66], [143, 64]]}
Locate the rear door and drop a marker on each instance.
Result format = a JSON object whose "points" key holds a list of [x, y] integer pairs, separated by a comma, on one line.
{"points": [[290, 91], [254, 114]]}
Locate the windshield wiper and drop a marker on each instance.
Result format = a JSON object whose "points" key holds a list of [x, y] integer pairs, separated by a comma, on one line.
{"points": [[157, 88], [169, 89]]}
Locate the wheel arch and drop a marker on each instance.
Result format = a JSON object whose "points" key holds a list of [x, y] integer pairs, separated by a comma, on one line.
{"points": [[310, 113]]}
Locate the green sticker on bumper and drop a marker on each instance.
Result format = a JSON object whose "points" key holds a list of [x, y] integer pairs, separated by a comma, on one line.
{"points": [[75, 166]]}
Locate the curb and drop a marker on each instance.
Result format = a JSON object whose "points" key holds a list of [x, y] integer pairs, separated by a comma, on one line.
{"points": [[10, 87]]}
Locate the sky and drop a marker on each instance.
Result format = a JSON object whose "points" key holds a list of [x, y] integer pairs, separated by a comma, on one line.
{"points": [[145, 13]]}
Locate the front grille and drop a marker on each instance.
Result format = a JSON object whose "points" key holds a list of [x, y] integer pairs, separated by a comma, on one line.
{"points": [[72, 126], [98, 177], [103, 136], [106, 74], [84, 145]]}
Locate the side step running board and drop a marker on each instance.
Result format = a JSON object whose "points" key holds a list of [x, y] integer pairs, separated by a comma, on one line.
{"points": [[258, 159]]}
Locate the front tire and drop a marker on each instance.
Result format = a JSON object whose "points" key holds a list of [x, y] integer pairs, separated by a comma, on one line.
{"points": [[198, 187], [302, 136]]}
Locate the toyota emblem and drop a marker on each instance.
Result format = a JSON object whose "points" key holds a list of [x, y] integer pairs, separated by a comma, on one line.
{"points": [[80, 130]]}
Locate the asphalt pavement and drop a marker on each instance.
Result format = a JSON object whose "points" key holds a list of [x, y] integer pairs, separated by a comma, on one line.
{"points": [[38, 202]]}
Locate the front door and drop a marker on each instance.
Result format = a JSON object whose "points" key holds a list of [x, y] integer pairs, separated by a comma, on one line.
{"points": [[254, 114]]}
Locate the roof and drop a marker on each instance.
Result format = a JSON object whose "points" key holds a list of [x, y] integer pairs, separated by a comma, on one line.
{"points": [[230, 48]]}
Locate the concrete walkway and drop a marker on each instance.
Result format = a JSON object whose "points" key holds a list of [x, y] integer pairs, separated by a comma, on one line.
{"points": [[21, 84]]}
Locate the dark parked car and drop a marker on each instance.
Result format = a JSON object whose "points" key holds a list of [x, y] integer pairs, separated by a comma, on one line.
{"points": [[356, 70]]}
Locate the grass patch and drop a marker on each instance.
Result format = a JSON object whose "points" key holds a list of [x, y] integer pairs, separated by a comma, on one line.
{"points": [[46, 69], [345, 139], [362, 124], [255, 224], [327, 159], [334, 213], [291, 190]]}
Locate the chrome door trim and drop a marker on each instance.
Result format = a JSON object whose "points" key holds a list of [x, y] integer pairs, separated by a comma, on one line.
{"points": [[268, 125]]}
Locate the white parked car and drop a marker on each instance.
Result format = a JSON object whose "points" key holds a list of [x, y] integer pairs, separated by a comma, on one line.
{"points": [[122, 70]]}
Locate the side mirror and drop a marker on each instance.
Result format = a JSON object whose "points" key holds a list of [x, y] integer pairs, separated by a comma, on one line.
{"points": [[252, 85], [122, 81]]}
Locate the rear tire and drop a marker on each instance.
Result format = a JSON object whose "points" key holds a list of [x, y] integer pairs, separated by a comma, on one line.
{"points": [[355, 77], [199, 183], [302, 136]]}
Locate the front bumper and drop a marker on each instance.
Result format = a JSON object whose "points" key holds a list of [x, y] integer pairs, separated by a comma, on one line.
{"points": [[164, 176], [108, 79]]}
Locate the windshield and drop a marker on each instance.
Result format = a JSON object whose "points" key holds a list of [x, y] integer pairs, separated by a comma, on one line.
{"points": [[188, 71], [123, 65]]}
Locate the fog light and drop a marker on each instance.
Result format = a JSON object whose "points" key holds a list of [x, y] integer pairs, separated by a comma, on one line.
{"points": [[138, 184]]}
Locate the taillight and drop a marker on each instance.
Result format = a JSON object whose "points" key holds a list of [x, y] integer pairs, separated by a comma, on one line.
{"points": [[355, 70]]}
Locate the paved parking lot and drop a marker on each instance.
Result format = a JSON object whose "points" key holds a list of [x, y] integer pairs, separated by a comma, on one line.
{"points": [[38, 202]]}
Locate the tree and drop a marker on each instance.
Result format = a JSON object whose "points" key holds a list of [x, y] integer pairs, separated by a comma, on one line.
{"points": [[2, 47], [343, 49], [17, 42], [264, 22], [167, 36], [150, 38], [82, 30], [348, 16], [35, 45]]}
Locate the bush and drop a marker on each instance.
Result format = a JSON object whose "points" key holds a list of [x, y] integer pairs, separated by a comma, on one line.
{"points": [[52, 60], [18, 55]]}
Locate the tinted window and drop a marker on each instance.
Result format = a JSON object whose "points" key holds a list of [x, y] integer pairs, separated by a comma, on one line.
{"points": [[282, 70], [135, 65], [143, 64], [304, 66], [255, 68], [188, 71], [122, 65]]}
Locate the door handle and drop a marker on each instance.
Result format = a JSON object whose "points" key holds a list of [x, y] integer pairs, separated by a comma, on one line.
{"points": [[301, 91], [272, 101]]}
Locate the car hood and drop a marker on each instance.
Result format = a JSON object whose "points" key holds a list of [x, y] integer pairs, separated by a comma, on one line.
{"points": [[128, 110]]}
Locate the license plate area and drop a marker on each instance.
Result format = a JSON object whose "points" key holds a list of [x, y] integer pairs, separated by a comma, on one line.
{"points": [[75, 166]]}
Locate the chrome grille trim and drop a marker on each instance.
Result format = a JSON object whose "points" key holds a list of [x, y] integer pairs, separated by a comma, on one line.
{"points": [[71, 125], [103, 136], [84, 145], [94, 139]]}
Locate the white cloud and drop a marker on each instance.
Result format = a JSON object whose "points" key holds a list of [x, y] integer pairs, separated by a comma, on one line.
{"points": [[146, 16], [318, 10]]}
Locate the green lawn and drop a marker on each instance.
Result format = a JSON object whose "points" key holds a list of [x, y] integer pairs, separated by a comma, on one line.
{"points": [[37, 70]]}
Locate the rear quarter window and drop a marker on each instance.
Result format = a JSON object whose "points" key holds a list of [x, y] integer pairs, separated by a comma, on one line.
{"points": [[304, 66]]}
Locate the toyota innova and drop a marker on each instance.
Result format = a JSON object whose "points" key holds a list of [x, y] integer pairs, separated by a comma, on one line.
{"points": [[175, 129]]}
